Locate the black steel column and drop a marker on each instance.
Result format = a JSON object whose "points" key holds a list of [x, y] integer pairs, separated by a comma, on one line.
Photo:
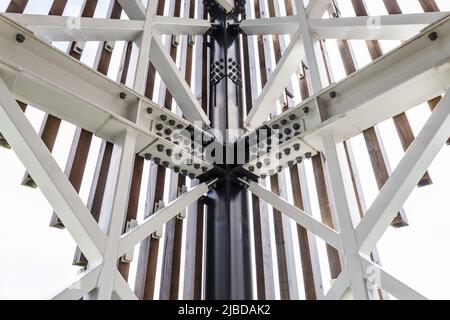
{"points": [[228, 270]]}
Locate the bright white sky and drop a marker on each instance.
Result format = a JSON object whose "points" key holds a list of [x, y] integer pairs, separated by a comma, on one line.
{"points": [[36, 259]]}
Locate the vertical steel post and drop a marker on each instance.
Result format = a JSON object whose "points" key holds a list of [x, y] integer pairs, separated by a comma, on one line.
{"points": [[228, 270]]}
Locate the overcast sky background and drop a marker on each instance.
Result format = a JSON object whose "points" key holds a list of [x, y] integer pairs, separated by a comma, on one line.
{"points": [[36, 259]]}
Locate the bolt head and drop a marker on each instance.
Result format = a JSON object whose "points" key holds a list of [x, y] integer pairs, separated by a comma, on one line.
{"points": [[20, 38], [149, 110], [122, 95], [148, 156], [306, 109], [333, 94], [433, 36]]}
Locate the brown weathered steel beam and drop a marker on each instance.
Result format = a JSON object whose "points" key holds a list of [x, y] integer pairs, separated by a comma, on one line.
{"points": [[401, 122], [76, 163], [325, 212], [280, 244], [133, 205], [17, 6], [429, 5]]}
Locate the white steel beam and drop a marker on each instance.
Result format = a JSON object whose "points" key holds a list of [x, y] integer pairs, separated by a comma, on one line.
{"points": [[57, 28], [157, 220], [338, 287], [122, 289], [277, 83], [265, 26], [184, 26], [40, 75], [114, 206], [144, 43], [390, 284], [390, 27], [176, 84], [302, 218], [405, 177], [351, 258], [407, 76], [317, 8], [55, 186], [134, 9], [190, 252], [83, 284], [228, 5], [312, 50]]}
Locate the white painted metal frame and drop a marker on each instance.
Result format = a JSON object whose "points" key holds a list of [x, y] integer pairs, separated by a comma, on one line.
{"points": [[306, 27], [103, 244]]}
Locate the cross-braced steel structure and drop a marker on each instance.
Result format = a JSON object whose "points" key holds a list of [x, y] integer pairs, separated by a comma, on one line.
{"points": [[208, 92]]}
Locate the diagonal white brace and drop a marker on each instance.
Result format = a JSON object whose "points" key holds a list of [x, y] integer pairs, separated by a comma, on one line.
{"points": [[55, 186], [134, 9], [390, 284], [338, 287], [277, 83], [122, 289], [352, 260], [228, 5], [405, 177], [176, 84], [157, 220], [317, 8], [302, 218], [114, 206], [84, 283]]}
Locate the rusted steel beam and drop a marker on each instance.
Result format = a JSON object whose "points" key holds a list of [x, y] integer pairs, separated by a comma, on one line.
{"points": [[256, 210], [288, 6], [277, 216], [380, 170], [178, 231], [17, 6], [97, 192], [57, 8], [153, 243], [303, 241], [429, 5], [280, 244], [259, 255], [305, 253], [76, 164], [401, 122], [170, 253], [170, 274], [149, 248], [199, 234], [371, 138], [133, 205], [81, 144], [325, 212]]}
